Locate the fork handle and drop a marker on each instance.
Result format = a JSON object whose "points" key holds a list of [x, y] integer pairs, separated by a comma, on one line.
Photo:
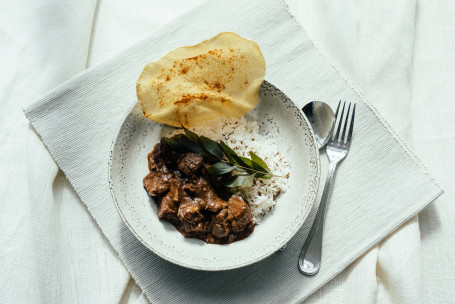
{"points": [[310, 257]]}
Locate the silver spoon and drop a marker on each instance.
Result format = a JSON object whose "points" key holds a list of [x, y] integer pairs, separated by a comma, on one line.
{"points": [[322, 121], [321, 118]]}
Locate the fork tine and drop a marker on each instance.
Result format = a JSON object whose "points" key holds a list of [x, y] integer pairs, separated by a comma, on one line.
{"points": [[336, 112], [332, 129], [345, 123], [340, 122], [352, 125]]}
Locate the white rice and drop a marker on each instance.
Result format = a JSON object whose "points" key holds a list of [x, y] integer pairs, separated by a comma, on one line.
{"points": [[243, 136]]}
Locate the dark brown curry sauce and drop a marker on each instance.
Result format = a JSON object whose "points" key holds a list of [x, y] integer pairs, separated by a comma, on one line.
{"points": [[193, 201]]}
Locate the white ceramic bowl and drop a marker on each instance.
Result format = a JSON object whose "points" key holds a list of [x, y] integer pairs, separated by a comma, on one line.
{"points": [[277, 114]]}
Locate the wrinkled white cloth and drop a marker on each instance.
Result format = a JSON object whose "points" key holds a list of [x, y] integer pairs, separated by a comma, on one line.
{"points": [[50, 249], [78, 122]]}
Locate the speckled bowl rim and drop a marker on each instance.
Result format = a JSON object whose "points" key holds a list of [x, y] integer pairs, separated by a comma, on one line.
{"points": [[311, 197]]}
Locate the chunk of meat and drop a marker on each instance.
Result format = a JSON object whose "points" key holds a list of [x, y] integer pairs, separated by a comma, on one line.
{"points": [[168, 155], [213, 202], [197, 186], [174, 189], [239, 214], [190, 210], [220, 225], [234, 219], [167, 209], [162, 154], [154, 157], [157, 182], [197, 230], [190, 163]]}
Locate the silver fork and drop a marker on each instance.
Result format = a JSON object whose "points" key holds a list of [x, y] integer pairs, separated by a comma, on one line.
{"points": [[337, 149]]}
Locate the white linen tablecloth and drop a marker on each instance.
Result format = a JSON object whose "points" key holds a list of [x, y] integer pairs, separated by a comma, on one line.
{"points": [[51, 251]]}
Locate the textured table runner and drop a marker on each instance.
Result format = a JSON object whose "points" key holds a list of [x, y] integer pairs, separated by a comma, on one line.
{"points": [[377, 187]]}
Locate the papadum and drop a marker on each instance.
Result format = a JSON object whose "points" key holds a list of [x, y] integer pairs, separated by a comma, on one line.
{"points": [[217, 77]]}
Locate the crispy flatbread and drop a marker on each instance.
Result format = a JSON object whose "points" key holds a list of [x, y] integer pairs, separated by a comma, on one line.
{"points": [[189, 85]]}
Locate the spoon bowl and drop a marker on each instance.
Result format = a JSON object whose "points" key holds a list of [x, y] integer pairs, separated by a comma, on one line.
{"points": [[321, 118]]}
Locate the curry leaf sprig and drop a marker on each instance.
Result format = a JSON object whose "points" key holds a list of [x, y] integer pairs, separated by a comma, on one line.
{"points": [[225, 159]]}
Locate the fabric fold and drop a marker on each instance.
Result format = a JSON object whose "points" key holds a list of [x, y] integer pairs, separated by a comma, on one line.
{"points": [[48, 240]]}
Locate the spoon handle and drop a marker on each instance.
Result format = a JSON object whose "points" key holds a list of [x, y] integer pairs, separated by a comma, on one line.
{"points": [[310, 257]]}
